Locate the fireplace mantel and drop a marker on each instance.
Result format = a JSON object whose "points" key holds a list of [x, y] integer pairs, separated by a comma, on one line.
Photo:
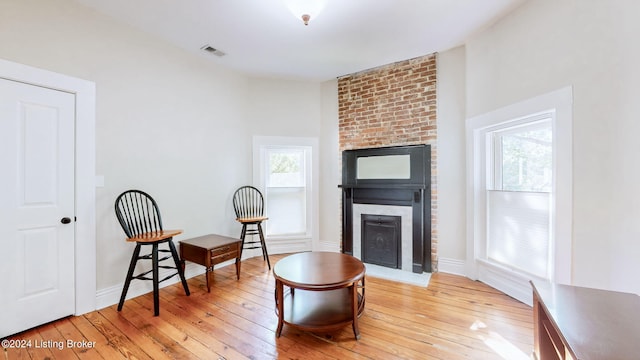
{"points": [[379, 186], [413, 190]]}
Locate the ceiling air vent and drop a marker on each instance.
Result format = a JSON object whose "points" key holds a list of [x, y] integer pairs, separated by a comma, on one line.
{"points": [[212, 50]]}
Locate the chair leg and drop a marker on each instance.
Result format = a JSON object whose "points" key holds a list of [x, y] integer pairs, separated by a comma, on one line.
{"points": [[265, 254], [156, 290], [179, 266], [243, 234], [127, 281], [262, 243]]}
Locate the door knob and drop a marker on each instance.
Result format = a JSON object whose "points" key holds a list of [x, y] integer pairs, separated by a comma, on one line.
{"points": [[65, 220]]}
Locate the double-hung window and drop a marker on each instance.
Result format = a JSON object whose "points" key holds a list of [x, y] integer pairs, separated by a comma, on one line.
{"points": [[519, 205], [286, 172], [286, 190], [519, 196]]}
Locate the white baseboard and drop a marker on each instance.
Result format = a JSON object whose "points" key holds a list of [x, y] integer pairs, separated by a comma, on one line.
{"points": [[327, 246], [111, 295], [285, 246], [452, 266], [509, 282]]}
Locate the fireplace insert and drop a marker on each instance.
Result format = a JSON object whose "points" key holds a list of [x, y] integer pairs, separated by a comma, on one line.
{"points": [[381, 240]]}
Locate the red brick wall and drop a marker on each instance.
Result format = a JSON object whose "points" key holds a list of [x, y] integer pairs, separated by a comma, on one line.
{"points": [[392, 105]]}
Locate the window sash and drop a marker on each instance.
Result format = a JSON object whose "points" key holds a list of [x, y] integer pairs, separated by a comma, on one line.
{"points": [[519, 230], [287, 193], [286, 208], [496, 139], [289, 165]]}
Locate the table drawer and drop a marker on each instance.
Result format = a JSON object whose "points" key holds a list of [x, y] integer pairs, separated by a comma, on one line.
{"points": [[224, 249], [223, 257]]}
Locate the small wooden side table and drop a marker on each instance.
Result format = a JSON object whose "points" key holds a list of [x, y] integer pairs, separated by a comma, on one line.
{"points": [[209, 250]]}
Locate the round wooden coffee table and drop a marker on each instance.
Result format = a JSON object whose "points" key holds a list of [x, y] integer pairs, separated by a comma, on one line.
{"points": [[325, 291]]}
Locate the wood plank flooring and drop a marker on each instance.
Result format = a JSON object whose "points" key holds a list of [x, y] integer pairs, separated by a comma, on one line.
{"points": [[453, 318]]}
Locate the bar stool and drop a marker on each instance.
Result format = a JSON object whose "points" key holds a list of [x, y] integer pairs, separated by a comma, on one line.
{"points": [[140, 219], [248, 204]]}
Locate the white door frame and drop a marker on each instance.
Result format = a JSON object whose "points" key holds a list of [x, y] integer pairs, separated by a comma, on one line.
{"points": [[85, 226]]}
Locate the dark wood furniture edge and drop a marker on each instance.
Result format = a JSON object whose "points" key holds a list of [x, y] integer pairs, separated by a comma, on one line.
{"points": [[542, 317]]}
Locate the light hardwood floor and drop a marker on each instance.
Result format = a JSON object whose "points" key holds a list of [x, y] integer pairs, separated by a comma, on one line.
{"points": [[453, 318]]}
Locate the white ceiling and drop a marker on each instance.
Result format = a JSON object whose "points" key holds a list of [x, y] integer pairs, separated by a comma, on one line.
{"points": [[263, 38]]}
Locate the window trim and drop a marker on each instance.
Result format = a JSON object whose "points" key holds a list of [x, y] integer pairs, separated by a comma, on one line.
{"points": [[559, 102]]}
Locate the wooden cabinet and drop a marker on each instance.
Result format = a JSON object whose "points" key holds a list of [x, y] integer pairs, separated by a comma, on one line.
{"points": [[579, 323]]}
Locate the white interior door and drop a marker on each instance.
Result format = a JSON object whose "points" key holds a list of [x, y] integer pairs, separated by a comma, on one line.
{"points": [[36, 194]]}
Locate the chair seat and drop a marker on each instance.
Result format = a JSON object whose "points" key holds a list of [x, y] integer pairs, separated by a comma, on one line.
{"points": [[154, 236], [252, 220]]}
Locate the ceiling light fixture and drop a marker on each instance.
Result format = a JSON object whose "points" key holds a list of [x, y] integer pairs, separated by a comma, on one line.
{"points": [[305, 19], [305, 9]]}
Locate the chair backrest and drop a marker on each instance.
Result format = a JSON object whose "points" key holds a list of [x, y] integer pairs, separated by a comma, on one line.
{"points": [[137, 213], [248, 202]]}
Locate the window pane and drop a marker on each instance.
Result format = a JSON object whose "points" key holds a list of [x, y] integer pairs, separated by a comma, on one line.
{"points": [[527, 160], [286, 168], [519, 230], [286, 208]]}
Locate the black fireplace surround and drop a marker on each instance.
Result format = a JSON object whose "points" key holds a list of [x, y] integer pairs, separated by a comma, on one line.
{"points": [[414, 191]]}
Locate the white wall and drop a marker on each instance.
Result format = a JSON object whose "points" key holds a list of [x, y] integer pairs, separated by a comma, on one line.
{"points": [[168, 122], [451, 161], [304, 109], [590, 45], [284, 107], [162, 118]]}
